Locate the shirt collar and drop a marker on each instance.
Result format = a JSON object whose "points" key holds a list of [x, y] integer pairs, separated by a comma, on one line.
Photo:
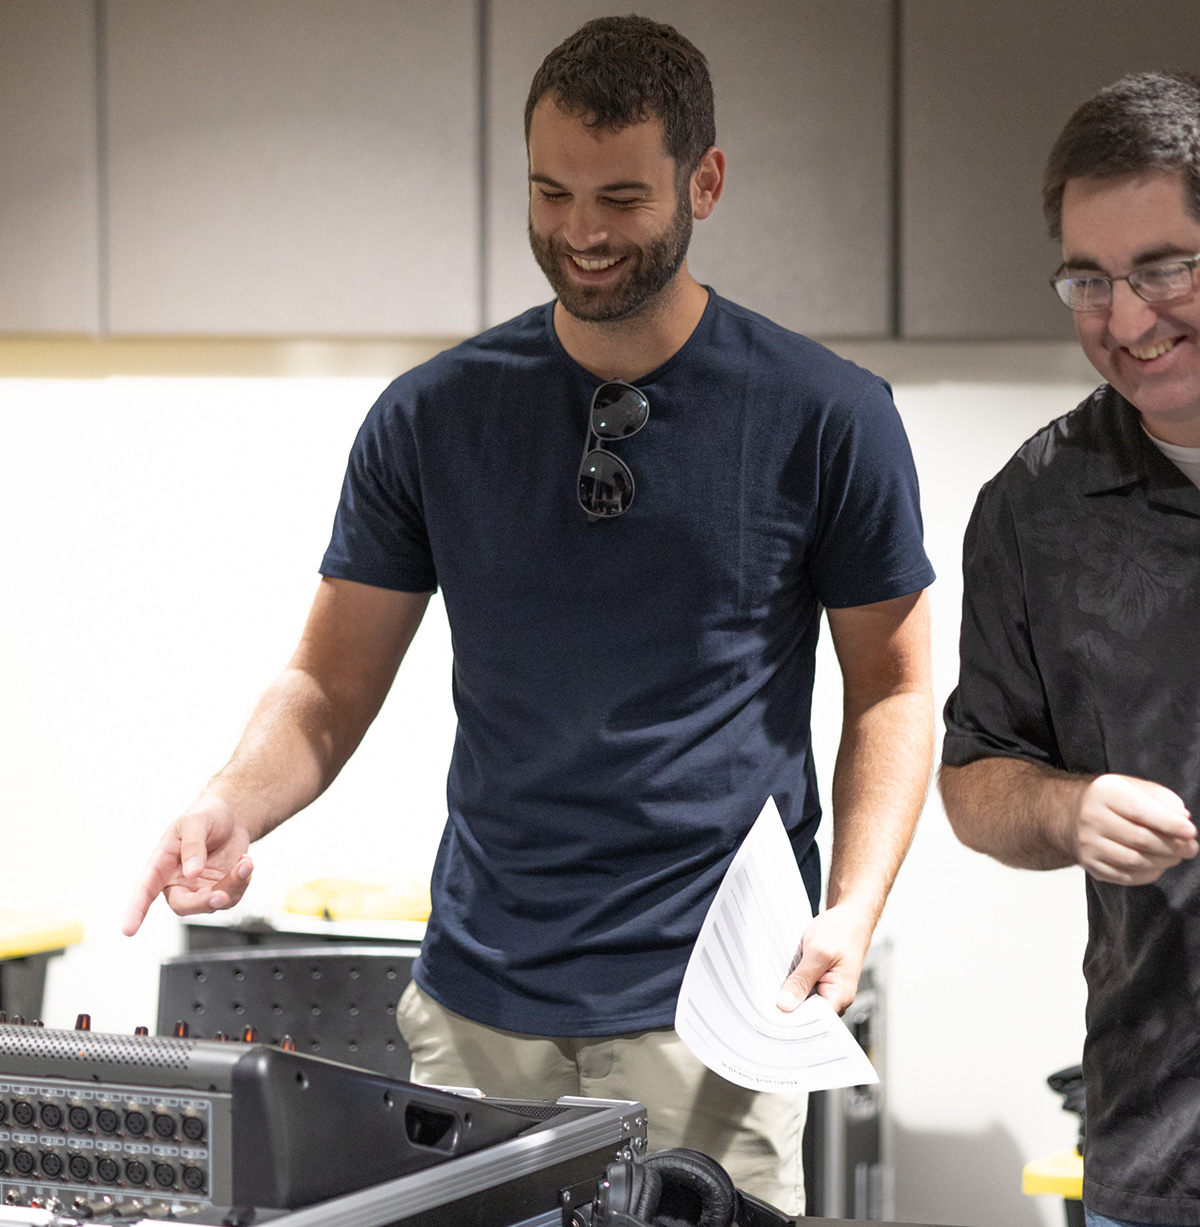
{"points": [[1124, 456]]}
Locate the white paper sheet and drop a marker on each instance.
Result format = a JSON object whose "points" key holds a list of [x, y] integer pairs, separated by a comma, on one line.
{"points": [[748, 943]]}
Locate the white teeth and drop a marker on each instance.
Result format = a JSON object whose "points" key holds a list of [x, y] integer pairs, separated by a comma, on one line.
{"points": [[1152, 351], [593, 266]]}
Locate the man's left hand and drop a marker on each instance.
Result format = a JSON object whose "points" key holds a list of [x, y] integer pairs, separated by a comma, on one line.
{"points": [[832, 951]]}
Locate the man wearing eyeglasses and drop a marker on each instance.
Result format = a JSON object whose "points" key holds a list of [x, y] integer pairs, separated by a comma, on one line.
{"points": [[637, 500], [1074, 734]]}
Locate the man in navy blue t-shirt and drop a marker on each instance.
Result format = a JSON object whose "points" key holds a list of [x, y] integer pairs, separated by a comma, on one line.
{"points": [[636, 500]]}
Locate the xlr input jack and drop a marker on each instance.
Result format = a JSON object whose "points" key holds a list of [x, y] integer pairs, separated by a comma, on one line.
{"points": [[107, 1170], [79, 1118], [193, 1178], [164, 1175], [80, 1167]]}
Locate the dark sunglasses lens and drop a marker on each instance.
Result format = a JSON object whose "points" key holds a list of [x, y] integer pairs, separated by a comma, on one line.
{"points": [[605, 484], [618, 410]]}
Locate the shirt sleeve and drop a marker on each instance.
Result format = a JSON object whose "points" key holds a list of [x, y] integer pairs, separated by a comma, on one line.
{"points": [[869, 540], [999, 708], [379, 534]]}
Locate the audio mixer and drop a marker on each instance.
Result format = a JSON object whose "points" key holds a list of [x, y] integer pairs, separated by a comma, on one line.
{"points": [[98, 1124], [131, 1128]]}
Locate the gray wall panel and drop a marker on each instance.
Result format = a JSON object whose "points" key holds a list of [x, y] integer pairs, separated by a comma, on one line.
{"points": [[48, 229], [803, 95], [986, 89], [293, 166]]}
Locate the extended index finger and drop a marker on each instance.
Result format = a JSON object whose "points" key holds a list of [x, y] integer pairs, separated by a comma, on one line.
{"points": [[155, 878]]}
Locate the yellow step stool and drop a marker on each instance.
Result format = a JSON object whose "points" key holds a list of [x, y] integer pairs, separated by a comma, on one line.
{"points": [[1060, 1174]]}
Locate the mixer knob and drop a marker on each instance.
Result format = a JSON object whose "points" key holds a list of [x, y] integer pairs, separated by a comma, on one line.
{"points": [[220, 1036], [287, 1044], [141, 1030], [249, 1035], [18, 1020], [182, 1030], [83, 1022]]}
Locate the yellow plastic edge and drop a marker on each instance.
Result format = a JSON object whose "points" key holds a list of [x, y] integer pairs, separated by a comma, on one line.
{"points": [[1061, 1174], [25, 933]]}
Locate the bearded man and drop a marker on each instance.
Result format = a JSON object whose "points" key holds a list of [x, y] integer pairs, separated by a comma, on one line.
{"points": [[633, 662]]}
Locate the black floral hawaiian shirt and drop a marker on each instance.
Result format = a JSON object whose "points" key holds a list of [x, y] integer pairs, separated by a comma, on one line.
{"points": [[1081, 650]]}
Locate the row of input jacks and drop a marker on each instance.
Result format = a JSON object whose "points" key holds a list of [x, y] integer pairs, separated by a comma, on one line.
{"points": [[106, 1170], [136, 1123]]}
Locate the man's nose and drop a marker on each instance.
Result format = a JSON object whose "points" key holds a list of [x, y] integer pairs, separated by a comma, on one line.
{"points": [[1130, 317], [585, 227]]}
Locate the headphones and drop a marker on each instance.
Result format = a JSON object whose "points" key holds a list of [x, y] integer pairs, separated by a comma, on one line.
{"points": [[678, 1188], [670, 1188]]}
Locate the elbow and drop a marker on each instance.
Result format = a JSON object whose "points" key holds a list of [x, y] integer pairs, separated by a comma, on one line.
{"points": [[962, 815]]}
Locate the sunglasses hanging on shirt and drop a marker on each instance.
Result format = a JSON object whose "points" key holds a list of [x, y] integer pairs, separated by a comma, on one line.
{"points": [[605, 484]]}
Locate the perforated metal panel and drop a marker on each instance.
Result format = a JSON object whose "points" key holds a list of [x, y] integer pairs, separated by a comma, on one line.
{"points": [[334, 1001], [34, 1042]]}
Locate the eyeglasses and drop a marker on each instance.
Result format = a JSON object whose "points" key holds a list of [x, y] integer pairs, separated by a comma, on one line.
{"points": [[1159, 282], [605, 483]]}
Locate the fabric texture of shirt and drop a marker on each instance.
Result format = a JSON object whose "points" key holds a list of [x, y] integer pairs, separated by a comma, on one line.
{"points": [[629, 691], [1081, 611]]}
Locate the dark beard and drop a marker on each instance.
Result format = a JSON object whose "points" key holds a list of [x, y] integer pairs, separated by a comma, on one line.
{"points": [[652, 269]]}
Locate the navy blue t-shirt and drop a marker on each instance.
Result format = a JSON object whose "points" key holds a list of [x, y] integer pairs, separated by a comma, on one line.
{"points": [[629, 691]]}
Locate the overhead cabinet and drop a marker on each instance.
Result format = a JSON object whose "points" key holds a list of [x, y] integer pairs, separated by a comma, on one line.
{"points": [[292, 166], [49, 278]]}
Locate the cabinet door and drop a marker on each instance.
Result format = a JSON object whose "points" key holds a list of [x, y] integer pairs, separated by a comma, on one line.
{"points": [[48, 238], [293, 166], [986, 90], [803, 102]]}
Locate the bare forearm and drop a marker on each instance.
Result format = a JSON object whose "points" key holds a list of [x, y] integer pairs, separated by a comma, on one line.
{"points": [[879, 784], [296, 742], [1022, 814], [303, 730], [880, 778]]}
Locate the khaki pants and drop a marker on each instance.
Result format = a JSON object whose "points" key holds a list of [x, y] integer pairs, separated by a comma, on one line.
{"points": [[756, 1137]]}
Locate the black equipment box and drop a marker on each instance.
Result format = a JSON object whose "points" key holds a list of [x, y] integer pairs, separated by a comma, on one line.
{"points": [[98, 1124]]}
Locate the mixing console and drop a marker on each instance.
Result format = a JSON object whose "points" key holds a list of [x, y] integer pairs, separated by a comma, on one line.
{"points": [[92, 1122]]}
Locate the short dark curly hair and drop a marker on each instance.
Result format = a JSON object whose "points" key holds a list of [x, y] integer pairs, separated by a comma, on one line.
{"points": [[617, 71], [1145, 121]]}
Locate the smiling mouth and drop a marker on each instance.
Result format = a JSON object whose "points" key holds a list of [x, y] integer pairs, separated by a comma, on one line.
{"points": [[1147, 353], [595, 265]]}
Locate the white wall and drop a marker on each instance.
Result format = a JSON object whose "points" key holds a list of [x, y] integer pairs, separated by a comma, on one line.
{"points": [[162, 537]]}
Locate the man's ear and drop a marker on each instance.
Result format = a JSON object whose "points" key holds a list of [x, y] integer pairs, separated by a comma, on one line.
{"points": [[707, 183]]}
